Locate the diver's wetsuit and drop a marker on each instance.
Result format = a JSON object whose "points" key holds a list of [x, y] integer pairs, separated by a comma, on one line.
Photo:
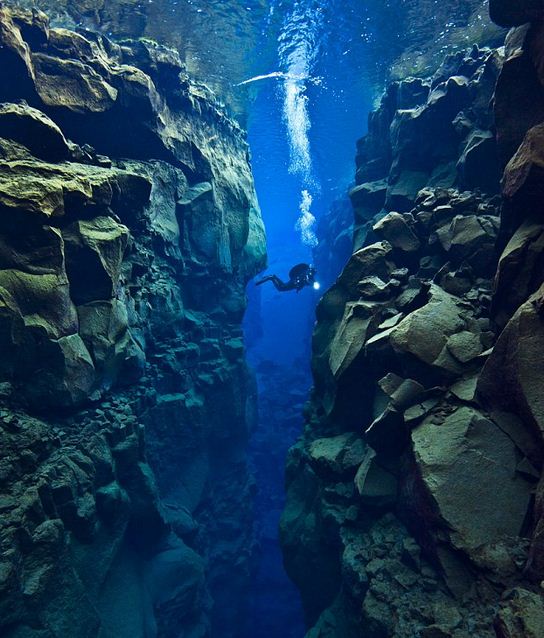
{"points": [[300, 276], [282, 286]]}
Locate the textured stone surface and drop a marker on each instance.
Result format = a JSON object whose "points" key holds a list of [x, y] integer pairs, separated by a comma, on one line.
{"points": [[129, 228], [450, 456], [521, 614], [430, 345], [511, 378]]}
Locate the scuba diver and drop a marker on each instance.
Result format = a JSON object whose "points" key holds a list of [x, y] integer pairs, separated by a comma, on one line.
{"points": [[300, 276]]}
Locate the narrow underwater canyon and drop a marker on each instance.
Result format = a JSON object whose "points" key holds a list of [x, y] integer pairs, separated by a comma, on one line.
{"points": [[141, 459]]}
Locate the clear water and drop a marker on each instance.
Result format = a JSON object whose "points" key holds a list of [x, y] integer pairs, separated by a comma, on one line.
{"points": [[303, 124], [302, 75], [309, 104]]}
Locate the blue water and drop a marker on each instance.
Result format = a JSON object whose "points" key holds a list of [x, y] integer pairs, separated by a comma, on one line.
{"points": [[301, 75], [302, 130]]}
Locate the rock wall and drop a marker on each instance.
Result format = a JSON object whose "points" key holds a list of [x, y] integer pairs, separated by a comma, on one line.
{"points": [[334, 233], [415, 493], [129, 227]]}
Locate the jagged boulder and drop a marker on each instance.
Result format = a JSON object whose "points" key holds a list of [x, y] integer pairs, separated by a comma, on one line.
{"points": [[373, 260], [451, 458], [524, 177], [33, 129], [398, 230], [471, 239], [350, 337], [340, 455], [511, 378], [521, 269], [424, 333]]}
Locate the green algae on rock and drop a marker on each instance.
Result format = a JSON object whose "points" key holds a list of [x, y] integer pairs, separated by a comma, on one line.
{"points": [[123, 373]]}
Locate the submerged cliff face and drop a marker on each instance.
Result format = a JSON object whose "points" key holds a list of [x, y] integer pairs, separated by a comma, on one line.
{"points": [[128, 229], [411, 495]]}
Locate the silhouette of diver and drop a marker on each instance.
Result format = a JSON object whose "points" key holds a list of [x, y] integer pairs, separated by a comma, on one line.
{"points": [[300, 276]]}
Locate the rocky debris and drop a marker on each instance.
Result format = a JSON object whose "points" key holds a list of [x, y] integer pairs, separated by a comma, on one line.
{"points": [[521, 614], [427, 351], [80, 492], [429, 133], [125, 400]]}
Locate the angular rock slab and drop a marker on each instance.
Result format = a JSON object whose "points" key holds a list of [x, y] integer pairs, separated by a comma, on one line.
{"points": [[468, 467], [524, 174], [339, 455], [72, 84], [424, 333], [520, 269], [350, 338], [512, 376], [398, 230]]}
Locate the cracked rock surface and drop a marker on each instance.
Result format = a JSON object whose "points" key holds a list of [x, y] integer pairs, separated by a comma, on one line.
{"points": [[415, 493], [129, 227]]}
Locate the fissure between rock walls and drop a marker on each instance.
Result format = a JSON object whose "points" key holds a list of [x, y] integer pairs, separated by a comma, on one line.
{"points": [[129, 227], [415, 494]]}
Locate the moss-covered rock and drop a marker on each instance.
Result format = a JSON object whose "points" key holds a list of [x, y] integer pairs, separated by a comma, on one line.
{"points": [[129, 227]]}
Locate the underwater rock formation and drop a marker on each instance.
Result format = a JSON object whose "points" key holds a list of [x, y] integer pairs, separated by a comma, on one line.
{"points": [[335, 240], [415, 495], [129, 227]]}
